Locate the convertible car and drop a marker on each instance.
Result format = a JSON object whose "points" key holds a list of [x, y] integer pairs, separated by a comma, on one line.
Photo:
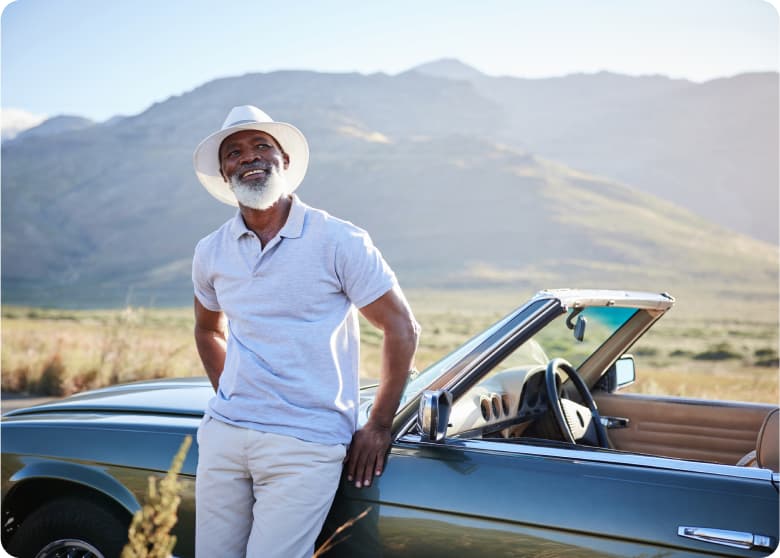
{"points": [[519, 443]]}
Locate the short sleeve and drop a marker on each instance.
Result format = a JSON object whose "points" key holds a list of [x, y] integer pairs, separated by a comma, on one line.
{"points": [[202, 279], [363, 272]]}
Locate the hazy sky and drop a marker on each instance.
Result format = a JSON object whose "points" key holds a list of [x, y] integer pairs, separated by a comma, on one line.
{"points": [[99, 58]]}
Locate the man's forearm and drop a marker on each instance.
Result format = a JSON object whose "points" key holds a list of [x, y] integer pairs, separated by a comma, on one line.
{"points": [[398, 348], [212, 346]]}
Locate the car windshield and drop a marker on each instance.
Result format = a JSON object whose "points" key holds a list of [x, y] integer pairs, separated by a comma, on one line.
{"points": [[555, 340]]}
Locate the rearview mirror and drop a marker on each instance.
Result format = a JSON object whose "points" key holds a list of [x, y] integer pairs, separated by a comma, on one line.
{"points": [[434, 415]]}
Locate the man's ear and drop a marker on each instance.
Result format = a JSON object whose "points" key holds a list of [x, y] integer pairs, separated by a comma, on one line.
{"points": [[286, 161]]}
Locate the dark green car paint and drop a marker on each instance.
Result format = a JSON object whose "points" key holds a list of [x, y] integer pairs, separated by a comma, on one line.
{"points": [[457, 498], [469, 501], [449, 495]]}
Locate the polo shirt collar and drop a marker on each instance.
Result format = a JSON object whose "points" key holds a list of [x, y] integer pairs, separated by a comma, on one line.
{"points": [[293, 228]]}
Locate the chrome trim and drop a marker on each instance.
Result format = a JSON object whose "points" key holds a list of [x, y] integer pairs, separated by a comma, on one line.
{"points": [[433, 415], [724, 537], [601, 456], [575, 298], [614, 422]]}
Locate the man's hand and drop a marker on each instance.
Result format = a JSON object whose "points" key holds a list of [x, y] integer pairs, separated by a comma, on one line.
{"points": [[390, 313], [366, 455]]}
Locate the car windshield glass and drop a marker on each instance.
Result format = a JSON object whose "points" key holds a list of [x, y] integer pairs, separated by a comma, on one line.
{"points": [[426, 377], [557, 340]]}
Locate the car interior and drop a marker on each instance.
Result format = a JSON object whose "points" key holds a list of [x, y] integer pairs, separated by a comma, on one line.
{"points": [[513, 406], [511, 403]]}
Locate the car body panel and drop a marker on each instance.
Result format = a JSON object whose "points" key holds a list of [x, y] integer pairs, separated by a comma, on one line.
{"points": [[497, 486], [469, 496], [165, 399]]}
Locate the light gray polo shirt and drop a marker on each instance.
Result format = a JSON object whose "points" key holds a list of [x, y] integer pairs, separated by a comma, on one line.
{"points": [[293, 348]]}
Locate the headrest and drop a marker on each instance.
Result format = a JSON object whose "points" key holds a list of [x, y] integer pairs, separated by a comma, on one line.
{"points": [[768, 442]]}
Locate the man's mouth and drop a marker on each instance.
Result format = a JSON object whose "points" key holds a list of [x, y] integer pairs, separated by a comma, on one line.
{"points": [[252, 173]]}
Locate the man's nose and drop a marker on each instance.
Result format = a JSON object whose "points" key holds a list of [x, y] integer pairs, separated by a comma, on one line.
{"points": [[249, 157]]}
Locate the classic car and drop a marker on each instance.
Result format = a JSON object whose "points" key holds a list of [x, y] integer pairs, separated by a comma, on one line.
{"points": [[518, 443]]}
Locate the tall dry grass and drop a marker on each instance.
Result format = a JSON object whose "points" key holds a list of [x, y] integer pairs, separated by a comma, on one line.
{"points": [[59, 352], [694, 352], [149, 535]]}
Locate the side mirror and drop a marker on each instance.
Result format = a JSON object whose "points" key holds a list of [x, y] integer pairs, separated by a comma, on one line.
{"points": [[620, 374], [625, 371], [434, 415]]}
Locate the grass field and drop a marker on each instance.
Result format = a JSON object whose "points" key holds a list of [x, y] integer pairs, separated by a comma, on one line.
{"points": [[695, 351]]}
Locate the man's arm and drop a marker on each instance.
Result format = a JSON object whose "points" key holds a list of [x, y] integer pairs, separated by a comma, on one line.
{"points": [[391, 314], [211, 340]]}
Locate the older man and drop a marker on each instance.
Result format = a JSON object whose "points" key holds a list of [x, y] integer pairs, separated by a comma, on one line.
{"points": [[276, 289]]}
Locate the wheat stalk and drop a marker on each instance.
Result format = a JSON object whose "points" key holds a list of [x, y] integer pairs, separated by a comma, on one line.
{"points": [[149, 534], [331, 541]]}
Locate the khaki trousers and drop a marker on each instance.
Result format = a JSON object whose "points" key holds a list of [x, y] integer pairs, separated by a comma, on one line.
{"points": [[261, 495]]}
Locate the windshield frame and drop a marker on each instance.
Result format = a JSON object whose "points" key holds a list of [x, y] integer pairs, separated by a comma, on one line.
{"points": [[467, 365], [480, 352]]}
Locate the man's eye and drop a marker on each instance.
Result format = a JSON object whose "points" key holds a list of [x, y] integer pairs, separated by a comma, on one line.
{"points": [[263, 146], [233, 153]]}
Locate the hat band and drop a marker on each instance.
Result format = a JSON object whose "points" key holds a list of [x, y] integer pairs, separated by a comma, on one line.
{"points": [[237, 122]]}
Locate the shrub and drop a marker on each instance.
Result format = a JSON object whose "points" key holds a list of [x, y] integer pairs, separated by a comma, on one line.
{"points": [[769, 362], [721, 351], [52, 377], [646, 351]]}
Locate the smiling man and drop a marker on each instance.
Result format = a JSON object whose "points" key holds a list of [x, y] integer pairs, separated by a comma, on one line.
{"points": [[276, 288]]}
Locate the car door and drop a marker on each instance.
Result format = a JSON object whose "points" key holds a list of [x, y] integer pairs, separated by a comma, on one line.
{"points": [[498, 498], [716, 431]]}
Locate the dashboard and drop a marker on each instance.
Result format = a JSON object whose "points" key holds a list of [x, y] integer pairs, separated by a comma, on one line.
{"points": [[504, 403]]}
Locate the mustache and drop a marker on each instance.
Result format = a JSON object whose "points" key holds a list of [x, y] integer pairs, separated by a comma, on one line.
{"points": [[256, 165]]}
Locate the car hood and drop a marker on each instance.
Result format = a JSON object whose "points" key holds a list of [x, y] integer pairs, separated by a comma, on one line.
{"points": [[177, 396]]}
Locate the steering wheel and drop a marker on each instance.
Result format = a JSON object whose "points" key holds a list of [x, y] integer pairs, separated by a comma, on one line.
{"points": [[576, 422]]}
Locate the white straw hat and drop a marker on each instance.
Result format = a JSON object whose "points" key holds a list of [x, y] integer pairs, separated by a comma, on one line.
{"points": [[247, 117]]}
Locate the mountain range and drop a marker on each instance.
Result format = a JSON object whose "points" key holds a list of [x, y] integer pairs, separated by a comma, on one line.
{"points": [[462, 179]]}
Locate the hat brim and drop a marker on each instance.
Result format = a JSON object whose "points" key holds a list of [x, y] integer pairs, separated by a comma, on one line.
{"points": [[206, 156]]}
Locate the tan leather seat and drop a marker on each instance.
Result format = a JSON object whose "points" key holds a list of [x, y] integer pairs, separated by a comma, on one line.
{"points": [[767, 452], [768, 442]]}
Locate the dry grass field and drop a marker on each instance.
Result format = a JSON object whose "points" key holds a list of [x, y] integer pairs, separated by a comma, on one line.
{"points": [[695, 351]]}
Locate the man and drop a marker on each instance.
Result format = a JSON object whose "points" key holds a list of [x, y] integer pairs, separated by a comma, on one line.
{"points": [[286, 278]]}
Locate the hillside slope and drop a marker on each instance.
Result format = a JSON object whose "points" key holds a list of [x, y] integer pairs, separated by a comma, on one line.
{"points": [[110, 213]]}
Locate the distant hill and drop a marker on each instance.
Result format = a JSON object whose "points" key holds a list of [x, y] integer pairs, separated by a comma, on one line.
{"points": [[56, 125], [710, 147], [449, 68], [113, 210]]}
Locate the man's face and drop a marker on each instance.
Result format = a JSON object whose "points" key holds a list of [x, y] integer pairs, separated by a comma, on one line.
{"points": [[254, 166]]}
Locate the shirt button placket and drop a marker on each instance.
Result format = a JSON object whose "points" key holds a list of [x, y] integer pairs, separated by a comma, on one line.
{"points": [[258, 252]]}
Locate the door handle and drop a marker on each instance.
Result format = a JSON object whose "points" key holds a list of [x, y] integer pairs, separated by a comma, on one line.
{"points": [[736, 539], [614, 422]]}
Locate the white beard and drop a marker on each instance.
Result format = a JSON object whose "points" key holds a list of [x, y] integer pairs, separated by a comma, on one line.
{"points": [[261, 196]]}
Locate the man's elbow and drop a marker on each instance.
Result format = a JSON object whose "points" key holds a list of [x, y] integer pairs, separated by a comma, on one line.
{"points": [[206, 335], [409, 332]]}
